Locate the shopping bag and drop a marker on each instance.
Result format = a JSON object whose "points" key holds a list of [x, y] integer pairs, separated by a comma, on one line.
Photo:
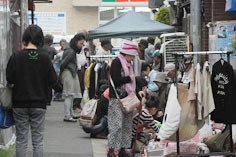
{"points": [[230, 5], [217, 143], [172, 114], [127, 104], [87, 114], [6, 97], [6, 118], [81, 58]]}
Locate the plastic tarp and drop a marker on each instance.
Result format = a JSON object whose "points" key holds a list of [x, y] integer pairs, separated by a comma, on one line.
{"points": [[130, 24]]}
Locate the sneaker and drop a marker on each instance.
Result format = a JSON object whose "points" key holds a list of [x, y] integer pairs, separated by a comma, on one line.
{"points": [[75, 117], [70, 119]]}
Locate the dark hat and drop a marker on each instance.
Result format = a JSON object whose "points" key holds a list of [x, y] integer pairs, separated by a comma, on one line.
{"points": [[106, 43]]}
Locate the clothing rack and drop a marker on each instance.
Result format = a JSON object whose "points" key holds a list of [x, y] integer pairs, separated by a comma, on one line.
{"points": [[102, 56], [230, 125]]}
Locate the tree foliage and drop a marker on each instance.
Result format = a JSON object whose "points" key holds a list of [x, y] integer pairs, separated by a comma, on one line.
{"points": [[163, 15]]}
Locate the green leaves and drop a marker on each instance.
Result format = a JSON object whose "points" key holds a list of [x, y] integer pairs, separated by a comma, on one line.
{"points": [[163, 15]]}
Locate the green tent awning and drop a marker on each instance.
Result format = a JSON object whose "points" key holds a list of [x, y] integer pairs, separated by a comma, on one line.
{"points": [[130, 24]]}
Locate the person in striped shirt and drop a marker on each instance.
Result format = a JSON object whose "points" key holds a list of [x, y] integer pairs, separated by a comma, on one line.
{"points": [[146, 120]]}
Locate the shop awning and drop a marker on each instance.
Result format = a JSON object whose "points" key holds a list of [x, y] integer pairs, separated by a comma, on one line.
{"points": [[130, 24]]}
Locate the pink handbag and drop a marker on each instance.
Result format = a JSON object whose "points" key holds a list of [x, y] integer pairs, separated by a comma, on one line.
{"points": [[129, 103]]}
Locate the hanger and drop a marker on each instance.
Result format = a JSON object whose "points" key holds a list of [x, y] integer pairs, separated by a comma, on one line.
{"points": [[222, 59]]}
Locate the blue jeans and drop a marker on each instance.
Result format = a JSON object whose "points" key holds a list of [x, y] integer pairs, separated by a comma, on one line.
{"points": [[57, 95], [25, 118]]}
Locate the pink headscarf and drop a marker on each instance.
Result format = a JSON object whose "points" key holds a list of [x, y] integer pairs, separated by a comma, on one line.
{"points": [[128, 69]]}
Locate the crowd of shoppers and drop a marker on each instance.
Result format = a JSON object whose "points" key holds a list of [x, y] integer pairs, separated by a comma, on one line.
{"points": [[39, 68]]}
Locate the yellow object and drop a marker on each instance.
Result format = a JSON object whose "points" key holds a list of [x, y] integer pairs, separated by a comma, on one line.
{"points": [[87, 76]]}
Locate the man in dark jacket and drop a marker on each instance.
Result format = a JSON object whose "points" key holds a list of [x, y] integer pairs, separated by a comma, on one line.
{"points": [[31, 72], [48, 41]]}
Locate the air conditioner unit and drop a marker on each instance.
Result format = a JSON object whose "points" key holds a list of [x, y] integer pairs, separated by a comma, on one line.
{"points": [[175, 42]]}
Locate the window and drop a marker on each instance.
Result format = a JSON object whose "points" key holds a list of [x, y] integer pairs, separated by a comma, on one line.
{"points": [[144, 11], [121, 10], [106, 13]]}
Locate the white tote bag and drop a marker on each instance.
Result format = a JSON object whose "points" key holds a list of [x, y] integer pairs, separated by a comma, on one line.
{"points": [[81, 59], [171, 117], [87, 114]]}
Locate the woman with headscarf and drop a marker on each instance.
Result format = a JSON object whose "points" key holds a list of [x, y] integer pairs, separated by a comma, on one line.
{"points": [[120, 123]]}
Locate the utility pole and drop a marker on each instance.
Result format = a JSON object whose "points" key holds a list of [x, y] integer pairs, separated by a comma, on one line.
{"points": [[23, 18], [195, 26]]}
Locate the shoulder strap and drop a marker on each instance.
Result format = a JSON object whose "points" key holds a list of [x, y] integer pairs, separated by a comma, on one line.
{"points": [[139, 129], [113, 86]]}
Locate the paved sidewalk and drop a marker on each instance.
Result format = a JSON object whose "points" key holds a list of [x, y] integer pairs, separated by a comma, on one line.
{"points": [[66, 139], [63, 139]]}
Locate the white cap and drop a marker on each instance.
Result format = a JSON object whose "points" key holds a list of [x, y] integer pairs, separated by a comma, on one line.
{"points": [[169, 67]]}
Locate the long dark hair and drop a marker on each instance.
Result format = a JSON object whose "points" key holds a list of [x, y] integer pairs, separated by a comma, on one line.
{"points": [[74, 40]]}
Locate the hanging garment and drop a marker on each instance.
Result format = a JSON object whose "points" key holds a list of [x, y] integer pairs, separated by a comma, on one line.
{"points": [[223, 88], [187, 76], [189, 124], [97, 67], [198, 91], [171, 118], [104, 71], [87, 76], [92, 83], [208, 104]]}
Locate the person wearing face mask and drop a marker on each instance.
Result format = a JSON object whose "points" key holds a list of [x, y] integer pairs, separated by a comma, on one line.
{"points": [[69, 77]]}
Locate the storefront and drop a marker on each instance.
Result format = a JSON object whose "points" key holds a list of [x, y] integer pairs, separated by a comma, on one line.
{"points": [[89, 14]]}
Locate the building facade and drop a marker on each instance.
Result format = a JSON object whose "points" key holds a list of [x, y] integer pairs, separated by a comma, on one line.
{"points": [[89, 14]]}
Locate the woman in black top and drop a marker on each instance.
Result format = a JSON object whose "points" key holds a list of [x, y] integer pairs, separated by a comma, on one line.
{"points": [[119, 123]]}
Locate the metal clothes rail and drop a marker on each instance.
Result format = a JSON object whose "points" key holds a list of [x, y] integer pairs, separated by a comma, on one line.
{"points": [[102, 56], [230, 125]]}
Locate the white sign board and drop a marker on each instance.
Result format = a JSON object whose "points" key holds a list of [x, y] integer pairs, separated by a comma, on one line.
{"points": [[49, 21]]}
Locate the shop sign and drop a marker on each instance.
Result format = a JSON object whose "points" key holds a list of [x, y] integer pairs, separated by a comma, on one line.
{"points": [[124, 0], [49, 21], [226, 36]]}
